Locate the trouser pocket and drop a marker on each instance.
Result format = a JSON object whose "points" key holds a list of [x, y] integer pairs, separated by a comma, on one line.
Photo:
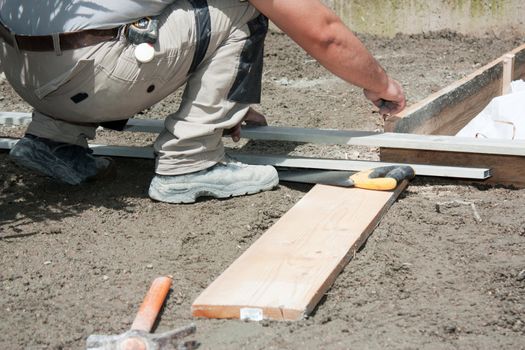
{"points": [[79, 75]]}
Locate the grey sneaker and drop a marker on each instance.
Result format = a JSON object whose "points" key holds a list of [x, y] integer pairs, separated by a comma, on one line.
{"points": [[229, 178], [64, 162]]}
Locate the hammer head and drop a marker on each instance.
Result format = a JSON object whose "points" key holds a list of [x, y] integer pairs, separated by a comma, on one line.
{"points": [[140, 340]]}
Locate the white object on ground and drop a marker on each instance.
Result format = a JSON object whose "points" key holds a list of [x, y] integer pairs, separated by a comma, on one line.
{"points": [[503, 118], [517, 86]]}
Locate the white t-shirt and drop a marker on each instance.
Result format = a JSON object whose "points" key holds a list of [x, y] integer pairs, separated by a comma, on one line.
{"points": [[44, 17]]}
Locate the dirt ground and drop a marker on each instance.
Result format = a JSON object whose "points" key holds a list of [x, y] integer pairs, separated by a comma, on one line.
{"points": [[78, 260]]}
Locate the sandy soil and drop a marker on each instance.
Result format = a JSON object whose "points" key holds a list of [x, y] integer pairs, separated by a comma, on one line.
{"points": [[78, 260]]}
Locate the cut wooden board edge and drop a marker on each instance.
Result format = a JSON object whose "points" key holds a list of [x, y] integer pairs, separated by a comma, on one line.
{"points": [[429, 116], [205, 310], [237, 312]]}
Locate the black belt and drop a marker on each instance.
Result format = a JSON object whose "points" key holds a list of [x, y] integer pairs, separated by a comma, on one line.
{"points": [[67, 41]]}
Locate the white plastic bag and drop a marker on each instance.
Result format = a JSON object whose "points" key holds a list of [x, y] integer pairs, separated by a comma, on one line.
{"points": [[503, 118], [517, 86]]}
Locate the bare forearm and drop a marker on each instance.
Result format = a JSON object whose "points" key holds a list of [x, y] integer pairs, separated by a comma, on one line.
{"points": [[348, 58], [324, 36]]}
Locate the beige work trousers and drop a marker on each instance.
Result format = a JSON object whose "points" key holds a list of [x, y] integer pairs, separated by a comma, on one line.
{"points": [[73, 91]]}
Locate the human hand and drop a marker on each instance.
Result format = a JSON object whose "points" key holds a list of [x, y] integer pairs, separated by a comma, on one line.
{"points": [[252, 117], [391, 101]]}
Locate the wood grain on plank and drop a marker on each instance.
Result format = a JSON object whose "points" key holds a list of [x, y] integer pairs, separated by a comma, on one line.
{"points": [[286, 272]]}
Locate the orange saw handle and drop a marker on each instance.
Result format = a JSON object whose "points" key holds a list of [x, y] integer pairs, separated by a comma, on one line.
{"points": [[152, 303], [384, 178]]}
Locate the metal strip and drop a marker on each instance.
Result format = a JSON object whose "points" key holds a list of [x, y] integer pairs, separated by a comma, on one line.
{"points": [[14, 119], [100, 150], [391, 140], [290, 162], [343, 137], [356, 165]]}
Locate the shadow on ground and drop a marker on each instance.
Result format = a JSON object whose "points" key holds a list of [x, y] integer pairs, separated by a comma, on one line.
{"points": [[26, 197]]}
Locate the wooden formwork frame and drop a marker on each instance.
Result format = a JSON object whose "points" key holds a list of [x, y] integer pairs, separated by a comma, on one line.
{"points": [[450, 109]]}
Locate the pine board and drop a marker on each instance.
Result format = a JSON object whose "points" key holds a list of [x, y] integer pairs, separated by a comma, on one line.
{"points": [[286, 272]]}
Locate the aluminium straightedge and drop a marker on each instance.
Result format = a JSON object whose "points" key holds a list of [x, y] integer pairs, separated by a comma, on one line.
{"points": [[291, 162], [155, 126], [344, 137]]}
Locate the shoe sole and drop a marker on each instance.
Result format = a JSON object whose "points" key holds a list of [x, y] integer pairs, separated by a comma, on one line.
{"points": [[184, 196]]}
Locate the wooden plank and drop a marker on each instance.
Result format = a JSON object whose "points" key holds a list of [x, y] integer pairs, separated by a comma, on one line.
{"points": [[450, 109], [285, 273], [506, 170]]}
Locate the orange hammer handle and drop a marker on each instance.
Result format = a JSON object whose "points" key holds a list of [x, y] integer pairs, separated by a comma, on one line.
{"points": [[152, 303]]}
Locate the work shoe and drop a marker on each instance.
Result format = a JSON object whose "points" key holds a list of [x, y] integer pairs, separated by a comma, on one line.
{"points": [[228, 178], [64, 162]]}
